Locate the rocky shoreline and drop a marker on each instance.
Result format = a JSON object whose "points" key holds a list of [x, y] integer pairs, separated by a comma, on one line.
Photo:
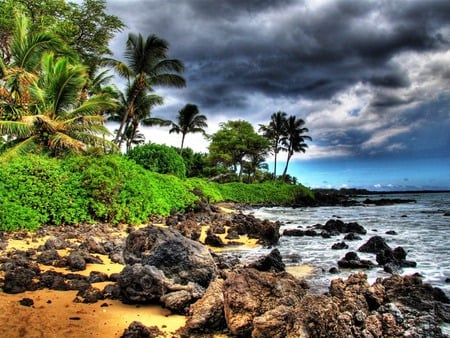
{"points": [[176, 263]]}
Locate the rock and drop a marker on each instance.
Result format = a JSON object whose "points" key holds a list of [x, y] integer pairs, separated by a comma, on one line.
{"points": [[139, 330], [189, 228], [351, 236], [91, 295], [273, 262], [249, 293], [207, 315], [49, 257], [21, 279], [393, 260], [339, 246], [214, 240], [267, 233], [374, 245], [391, 232], [55, 243], [26, 302], [97, 277], [232, 234], [352, 261], [179, 258], [76, 261], [95, 246], [164, 266], [275, 323], [293, 232], [337, 225]]}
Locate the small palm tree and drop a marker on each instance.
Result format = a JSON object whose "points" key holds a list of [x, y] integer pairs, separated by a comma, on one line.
{"points": [[294, 141], [275, 132], [189, 120], [56, 121], [147, 65]]}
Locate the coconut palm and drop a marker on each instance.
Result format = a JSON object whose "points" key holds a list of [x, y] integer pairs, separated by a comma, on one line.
{"points": [[189, 120], [21, 65], [147, 66], [56, 121], [294, 141], [275, 132]]}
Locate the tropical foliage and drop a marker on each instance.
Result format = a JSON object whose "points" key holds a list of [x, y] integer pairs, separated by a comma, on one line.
{"points": [[158, 158], [41, 103]]}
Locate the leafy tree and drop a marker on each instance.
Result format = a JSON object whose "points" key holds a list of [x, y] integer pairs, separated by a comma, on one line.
{"points": [[275, 131], [189, 120], [147, 65], [294, 141], [234, 143], [158, 158], [85, 26]]}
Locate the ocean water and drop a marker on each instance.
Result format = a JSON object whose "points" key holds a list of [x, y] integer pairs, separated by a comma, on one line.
{"points": [[421, 227]]}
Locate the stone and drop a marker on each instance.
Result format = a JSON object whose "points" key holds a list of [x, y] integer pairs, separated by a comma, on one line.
{"points": [[273, 262], [374, 245]]}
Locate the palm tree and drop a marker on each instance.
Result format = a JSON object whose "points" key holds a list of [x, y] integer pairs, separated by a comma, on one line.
{"points": [[189, 120], [56, 121], [22, 63], [147, 66], [275, 132], [294, 141]]}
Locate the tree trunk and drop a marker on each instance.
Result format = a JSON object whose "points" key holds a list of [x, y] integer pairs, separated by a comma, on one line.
{"points": [[287, 164], [182, 143]]}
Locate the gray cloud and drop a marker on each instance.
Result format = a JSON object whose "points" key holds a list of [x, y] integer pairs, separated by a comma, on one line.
{"points": [[380, 60]]}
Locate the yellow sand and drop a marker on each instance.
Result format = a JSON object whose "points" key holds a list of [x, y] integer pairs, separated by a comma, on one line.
{"points": [[51, 314]]}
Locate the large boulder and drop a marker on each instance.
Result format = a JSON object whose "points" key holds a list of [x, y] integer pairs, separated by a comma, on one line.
{"points": [[249, 294], [164, 267]]}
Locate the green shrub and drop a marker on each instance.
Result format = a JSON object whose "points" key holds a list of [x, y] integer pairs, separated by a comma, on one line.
{"points": [[158, 158], [210, 190], [266, 192], [34, 190]]}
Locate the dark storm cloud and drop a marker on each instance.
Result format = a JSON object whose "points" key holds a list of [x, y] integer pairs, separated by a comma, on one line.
{"points": [[287, 48], [293, 50]]}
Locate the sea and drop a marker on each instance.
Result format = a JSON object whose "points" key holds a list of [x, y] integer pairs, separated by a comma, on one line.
{"points": [[420, 227]]}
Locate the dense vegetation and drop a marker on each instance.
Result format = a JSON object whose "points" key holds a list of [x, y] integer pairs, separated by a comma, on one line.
{"points": [[37, 190]]}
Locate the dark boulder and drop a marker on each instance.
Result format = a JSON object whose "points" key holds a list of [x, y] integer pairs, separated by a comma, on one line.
{"points": [[164, 267], [21, 279], [351, 236], [339, 246], [293, 232], [267, 232], [374, 245], [352, 261], [273, 262]]}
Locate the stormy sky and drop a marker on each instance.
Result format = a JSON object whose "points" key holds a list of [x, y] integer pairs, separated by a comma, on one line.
{"points": [[371, 79]]}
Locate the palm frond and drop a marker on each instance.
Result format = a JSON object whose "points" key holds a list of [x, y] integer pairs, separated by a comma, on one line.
{"points": [[95, 105], [19, 129]]}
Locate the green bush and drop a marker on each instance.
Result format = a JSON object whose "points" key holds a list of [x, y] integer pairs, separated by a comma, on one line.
{"points": [[266, 192], [209, 190], [34, 190], [158, 158], [121, 191]]}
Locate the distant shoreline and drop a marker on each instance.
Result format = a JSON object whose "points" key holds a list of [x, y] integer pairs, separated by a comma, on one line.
{"points": [[356, 191]]}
